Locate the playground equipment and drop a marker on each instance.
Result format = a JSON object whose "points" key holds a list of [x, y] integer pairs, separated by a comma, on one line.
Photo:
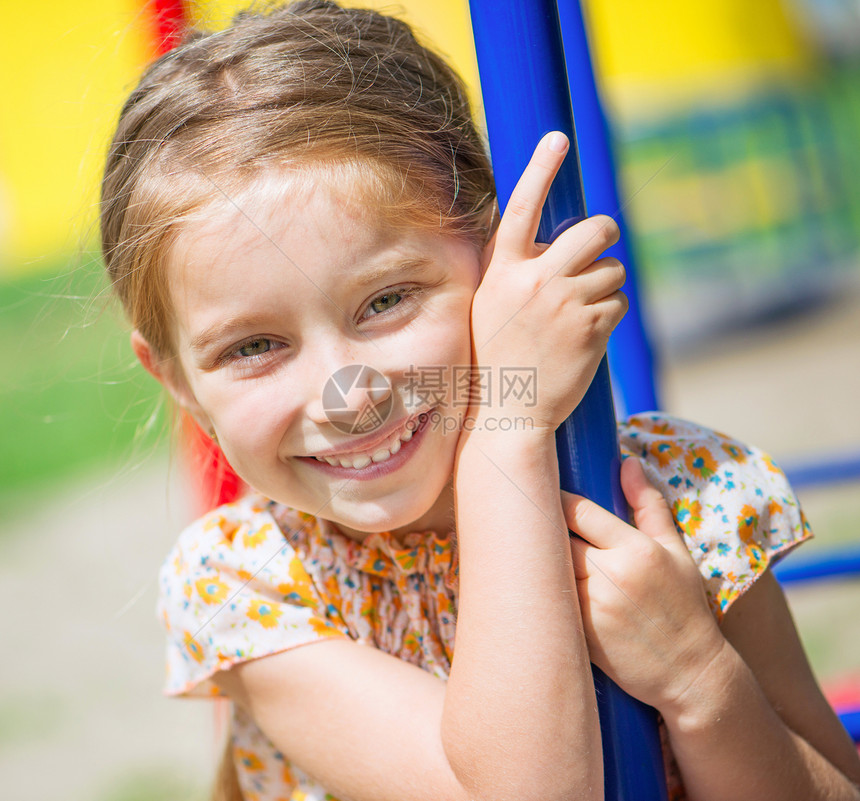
{"points": [[524, 83]]}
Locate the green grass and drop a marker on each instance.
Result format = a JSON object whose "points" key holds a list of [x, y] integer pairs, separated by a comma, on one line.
{"points": [[72, 396]]}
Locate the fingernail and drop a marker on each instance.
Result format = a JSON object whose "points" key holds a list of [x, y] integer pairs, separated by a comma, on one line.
{"points": [[557, 142]]}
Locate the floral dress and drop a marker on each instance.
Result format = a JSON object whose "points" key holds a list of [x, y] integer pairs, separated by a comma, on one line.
{"points": [[254, 578]]}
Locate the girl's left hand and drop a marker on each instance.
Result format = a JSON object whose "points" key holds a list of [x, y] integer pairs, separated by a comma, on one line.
{"points": [[644, 609]]}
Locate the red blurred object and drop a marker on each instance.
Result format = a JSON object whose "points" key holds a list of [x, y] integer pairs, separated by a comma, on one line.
{"points": [[214, 481], [171, 20]]}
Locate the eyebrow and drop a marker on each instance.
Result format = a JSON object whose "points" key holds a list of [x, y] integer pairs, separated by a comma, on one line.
{"points": [[377, 274], [204, 340]]}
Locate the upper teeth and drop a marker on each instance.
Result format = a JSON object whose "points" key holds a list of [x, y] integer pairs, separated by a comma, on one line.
{"points": [[360, 460]]}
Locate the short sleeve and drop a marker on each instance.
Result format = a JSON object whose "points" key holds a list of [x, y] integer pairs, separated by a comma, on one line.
{"points": [[732, 504], [233, 588]]}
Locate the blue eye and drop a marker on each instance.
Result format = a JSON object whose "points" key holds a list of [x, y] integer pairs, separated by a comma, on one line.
{"points": [[386, 301], [255, 347]]}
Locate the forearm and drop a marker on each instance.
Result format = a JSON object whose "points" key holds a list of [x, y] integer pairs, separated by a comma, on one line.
{"points": [[722, 720], [520, 716]]}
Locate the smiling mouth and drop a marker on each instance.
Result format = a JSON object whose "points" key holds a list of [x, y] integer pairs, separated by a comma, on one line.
{"points": [[384, 458], [358, 460]]}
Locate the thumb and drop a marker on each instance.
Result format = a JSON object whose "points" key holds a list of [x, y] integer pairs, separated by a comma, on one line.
{"points": [[651, 513]]}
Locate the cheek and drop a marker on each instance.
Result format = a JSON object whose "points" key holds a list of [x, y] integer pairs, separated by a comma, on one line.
{"points": [[248, 416], [443, 341]]}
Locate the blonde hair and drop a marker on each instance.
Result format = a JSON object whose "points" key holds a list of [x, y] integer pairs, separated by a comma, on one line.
{"points": [[304, 86], [311, 87]]}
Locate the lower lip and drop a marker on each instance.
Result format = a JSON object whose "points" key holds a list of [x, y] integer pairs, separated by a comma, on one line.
{"points": [[377, 469]]}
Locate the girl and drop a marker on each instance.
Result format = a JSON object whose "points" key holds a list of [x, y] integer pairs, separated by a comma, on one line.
{"points": [[297, 216]]}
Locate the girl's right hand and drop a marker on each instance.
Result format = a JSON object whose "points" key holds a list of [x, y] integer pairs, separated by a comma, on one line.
{"points": [[547, 307]]}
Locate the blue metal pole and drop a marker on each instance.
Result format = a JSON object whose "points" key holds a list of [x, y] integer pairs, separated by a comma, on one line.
{"points": [[831, 563], [525, 93]]}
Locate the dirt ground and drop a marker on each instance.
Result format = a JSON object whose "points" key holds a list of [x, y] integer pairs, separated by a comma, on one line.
{"points": [[81, 714]]}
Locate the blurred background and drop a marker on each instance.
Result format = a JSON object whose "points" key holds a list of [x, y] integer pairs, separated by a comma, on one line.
{"points": [[736, 129]]}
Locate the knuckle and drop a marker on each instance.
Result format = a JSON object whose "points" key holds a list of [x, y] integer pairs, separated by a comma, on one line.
{"points": [[648, 555], [579, 515], [519, 206], [596, 323]]}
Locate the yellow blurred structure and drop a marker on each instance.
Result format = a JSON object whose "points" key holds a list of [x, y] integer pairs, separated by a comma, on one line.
{"points": [[65, 68], [69, 65], [656, 56]]}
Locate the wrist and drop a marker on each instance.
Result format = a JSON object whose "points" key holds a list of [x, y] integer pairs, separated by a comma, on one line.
{"points": [[487, 429], [706, 692], [521, 454]]}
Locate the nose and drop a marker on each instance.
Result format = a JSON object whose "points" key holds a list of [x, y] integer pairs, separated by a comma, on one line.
{"points": [[353, 395]]}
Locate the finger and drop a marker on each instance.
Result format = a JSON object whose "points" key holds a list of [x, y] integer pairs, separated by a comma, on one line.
{"points": [[593, 523], [606, 313], [651, 513], [599, 280], [582, 554], [576, 248], [519, 225]]}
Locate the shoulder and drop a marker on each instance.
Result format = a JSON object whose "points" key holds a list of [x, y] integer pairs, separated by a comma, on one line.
{"points": [[243, 533], [235, 587], [731, 501]]}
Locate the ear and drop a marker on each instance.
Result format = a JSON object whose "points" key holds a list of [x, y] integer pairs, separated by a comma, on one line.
{"points": [[170, 377]]}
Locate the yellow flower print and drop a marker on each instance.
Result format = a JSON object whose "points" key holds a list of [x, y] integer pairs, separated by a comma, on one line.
{"points": [[747, 523], [251, 539], [406, 559], [298, 589], [323, 628], [700, 462], [228, 528], [651, 425], [411, 645], [758, 559], [332, 589], [689, 515], [287, 775], [369, 609], [442, 552], [664, 451], [770, 463], [192, 646], [663, 428], [774, 508], [244, 575], [265, 613], [249, 760], [212, 590], [725, 597], [738, 454], [214, 521]]}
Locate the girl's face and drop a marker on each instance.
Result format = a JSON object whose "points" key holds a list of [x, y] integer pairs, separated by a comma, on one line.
{"points": [[283, 288]]}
